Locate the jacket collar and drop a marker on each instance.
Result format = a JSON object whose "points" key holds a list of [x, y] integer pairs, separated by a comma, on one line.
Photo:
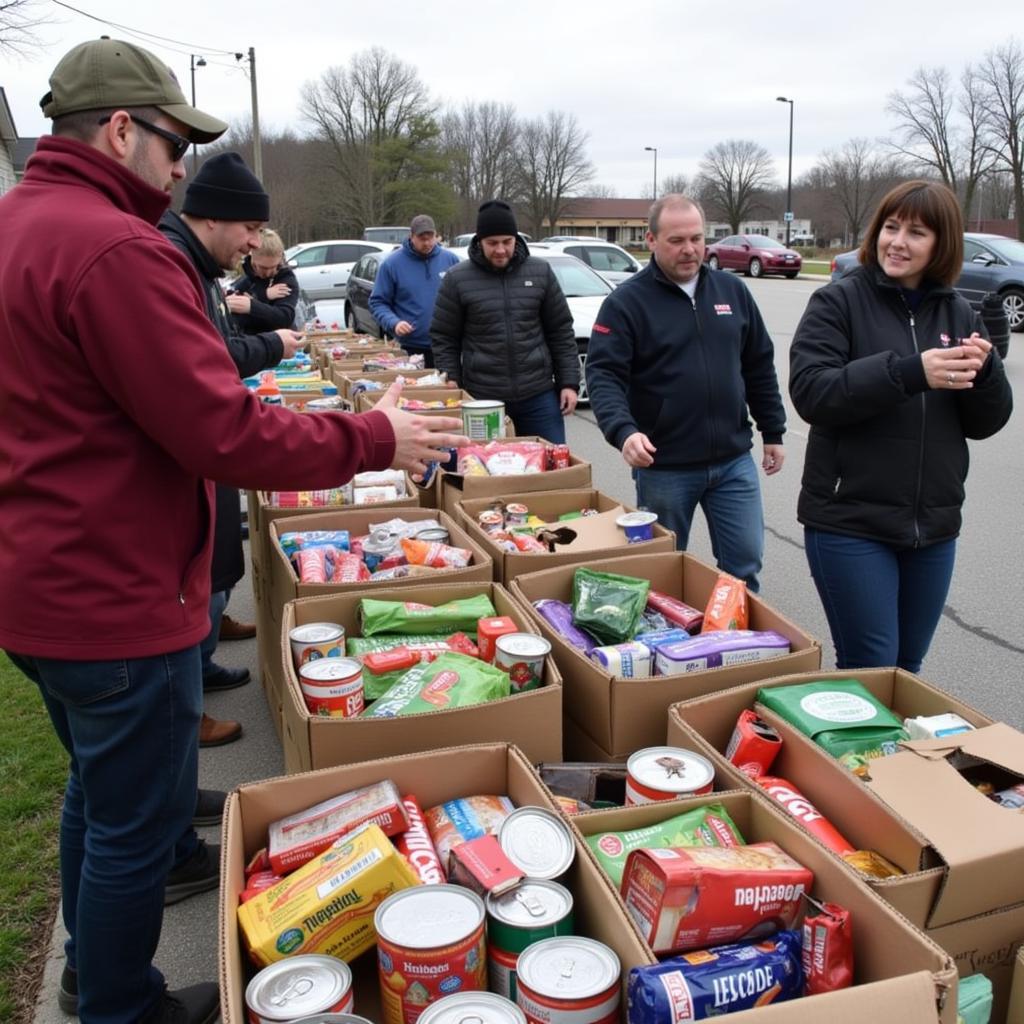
{"points": [[172, 223], [659, 275], [931, 289]]}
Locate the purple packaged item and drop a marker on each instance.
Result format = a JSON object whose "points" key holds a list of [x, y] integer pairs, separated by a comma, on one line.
{"points": [[657, 637], [717, 648], [558, 615]]}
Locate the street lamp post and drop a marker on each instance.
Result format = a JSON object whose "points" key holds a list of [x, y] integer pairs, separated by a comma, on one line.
{"points": [[654, 150], [789, 173], [192, 65]]}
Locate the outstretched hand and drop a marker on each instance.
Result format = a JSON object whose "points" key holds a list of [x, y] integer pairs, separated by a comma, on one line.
{"points": [[419, 439]]}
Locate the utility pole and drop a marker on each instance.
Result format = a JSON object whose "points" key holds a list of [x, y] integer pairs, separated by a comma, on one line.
{"points": [[789, 174], [193, 64], [257, 151]]}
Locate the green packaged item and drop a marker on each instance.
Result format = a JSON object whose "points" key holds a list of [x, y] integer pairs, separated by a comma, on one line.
{"points": [[377, 684], [840, 715], [411, 617], [704, 826], [452, 681], [608, 606], [974, 1000]]}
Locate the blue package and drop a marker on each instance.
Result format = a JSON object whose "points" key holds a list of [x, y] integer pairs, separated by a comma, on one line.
{"points": [[711, 982], [661, 636]]}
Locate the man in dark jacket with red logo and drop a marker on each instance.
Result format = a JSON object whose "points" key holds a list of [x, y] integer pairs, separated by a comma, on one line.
{"points": [[105, 512]]}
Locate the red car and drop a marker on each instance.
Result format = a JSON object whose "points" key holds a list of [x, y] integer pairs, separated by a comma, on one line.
{"points": [[755, 255]]}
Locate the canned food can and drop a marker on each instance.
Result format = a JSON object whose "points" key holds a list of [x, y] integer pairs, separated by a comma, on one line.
{"points": [[569, 980], [538, 842], [522, 656], [430, 944], [438, 535], [332, 1018], [491, 521], [534, 910], [754, 744], [332, 687], [665, 773], [473, 1008], [483, 419], [560, 456], [298, 987], [316, 640], [516, 514]]}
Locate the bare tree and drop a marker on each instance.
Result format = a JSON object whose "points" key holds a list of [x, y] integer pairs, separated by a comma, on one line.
{"points": [[857, 176], [1002, 98], [670, 183], [732, 178], [20, 22], [602, 192], [554, 167]]}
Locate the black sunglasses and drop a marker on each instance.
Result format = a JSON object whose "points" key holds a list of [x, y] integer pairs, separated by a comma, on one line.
{"points": [[179, 144]]}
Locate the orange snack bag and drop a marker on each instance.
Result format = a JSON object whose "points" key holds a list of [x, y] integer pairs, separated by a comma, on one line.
{"points": [[435, 554], [727, 606]]}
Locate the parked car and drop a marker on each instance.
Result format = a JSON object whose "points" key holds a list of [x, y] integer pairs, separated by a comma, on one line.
{"points": [[613, 263], [357, 302], [396, 235], [572, 238], [322, 268], [992, 263], [753, 255], [462, 241]]}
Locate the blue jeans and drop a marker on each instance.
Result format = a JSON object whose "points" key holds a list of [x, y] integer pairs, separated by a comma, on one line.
{"points": [[540, 416], [728, 493], [131, 730], [882, 603], [208, 646]]}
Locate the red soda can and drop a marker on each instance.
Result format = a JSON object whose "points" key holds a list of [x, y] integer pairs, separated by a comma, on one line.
{"points": [[827, 948], [754, 745], [560, 456]]}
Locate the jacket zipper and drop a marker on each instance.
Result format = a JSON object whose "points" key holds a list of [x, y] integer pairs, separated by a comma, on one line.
{"points": [[508, 340], [707, 372], [920, 449]]}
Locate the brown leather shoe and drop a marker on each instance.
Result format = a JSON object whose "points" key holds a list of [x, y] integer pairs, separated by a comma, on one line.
{"points": [[232, 630], [215, 732]]}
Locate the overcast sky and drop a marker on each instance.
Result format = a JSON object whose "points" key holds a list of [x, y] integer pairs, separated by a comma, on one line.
{"points": [[676, 75]]}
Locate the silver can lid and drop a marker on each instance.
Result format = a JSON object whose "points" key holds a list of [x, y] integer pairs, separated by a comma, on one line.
{"points": [[429, 916], [670, 769], [316, 633], [298, 986], [329, 669], [533, 904], [472, 1008], [538, 842], [332, 1018], [523, 645], [570, 967]]}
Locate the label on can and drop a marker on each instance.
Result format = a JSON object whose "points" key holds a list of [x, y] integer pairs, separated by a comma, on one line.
{"points": [[483, 420], [501, 971], [332, 687], [316, 640], [522, 655], [664, 773]]}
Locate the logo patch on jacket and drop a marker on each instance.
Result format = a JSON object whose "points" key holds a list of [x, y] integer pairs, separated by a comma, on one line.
{"points": [[527, 284], [723, 309], [601, 329], [944, 340]]}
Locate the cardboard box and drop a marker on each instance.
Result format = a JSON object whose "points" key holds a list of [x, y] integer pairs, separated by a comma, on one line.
{"points": [[368, 399], [531, 720], [380, 376], [886, 948], [433, 777], [597, 536], [623, 715], [955, 888], [456, 488]]}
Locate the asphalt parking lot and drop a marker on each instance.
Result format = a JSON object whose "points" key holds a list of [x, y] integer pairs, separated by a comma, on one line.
{"points": [[978, 652]]}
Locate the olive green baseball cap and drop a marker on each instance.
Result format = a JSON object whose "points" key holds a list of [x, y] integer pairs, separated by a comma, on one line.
{"points": [[105, 73]]}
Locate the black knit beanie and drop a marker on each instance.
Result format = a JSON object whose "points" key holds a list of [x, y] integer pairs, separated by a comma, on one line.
{"points": [[495, 218], [225, 189]]}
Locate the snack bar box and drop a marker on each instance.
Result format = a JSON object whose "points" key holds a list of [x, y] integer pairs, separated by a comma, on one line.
{"points": [[596, 536], [532, 720], [433, 777], [619, 715], [962, 852], [900, 976]]}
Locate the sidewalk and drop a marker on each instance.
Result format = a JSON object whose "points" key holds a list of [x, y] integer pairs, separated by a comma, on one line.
{"points": [[188, 944]]}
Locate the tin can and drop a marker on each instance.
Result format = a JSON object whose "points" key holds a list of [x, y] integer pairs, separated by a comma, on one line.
{"points": [[665, 773], [332, 1018], [491, 521], [297, 987], [535, 910], [559, 458], [516, 514], [329, 403], [569, 980], [316, 640], [522, 656], [538, 842], [631, 660], [430, 944], [473, 1008], [483, 419], [332, 687], [439, 535], [754, 744]]}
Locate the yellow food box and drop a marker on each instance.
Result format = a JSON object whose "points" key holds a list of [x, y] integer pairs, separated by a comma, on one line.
{"points": [[327, 905]]}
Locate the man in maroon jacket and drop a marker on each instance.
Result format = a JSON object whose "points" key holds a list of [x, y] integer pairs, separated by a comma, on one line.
{"points": [[105, 512]]}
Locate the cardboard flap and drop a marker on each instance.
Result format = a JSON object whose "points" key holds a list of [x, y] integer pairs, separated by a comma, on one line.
{"points": [[979, 840]]}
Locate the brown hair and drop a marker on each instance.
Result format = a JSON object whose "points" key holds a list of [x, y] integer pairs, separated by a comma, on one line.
{"points": [[937, 208], [671, 199]]}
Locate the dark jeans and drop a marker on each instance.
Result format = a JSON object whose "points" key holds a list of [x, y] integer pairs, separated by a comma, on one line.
{"points": [[882, 603], [208, 646], [540, 416], [131, 730]]}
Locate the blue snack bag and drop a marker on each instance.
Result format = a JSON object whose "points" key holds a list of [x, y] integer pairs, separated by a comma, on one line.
{"points": [[711, 982]]}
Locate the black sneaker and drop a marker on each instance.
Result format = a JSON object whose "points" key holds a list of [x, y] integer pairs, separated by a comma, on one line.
{"points": [[200, 873], [209, 807], [197, 1004], [67, 994], [222, 678]]}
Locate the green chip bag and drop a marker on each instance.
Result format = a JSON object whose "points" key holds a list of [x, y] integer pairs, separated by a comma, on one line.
{"points": [[358, 645], [452, 681], [607, 605], [841, 715], [703, 826], [411, 617]]}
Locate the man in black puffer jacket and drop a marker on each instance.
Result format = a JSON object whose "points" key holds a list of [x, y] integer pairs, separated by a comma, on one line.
{"points": [[503, 330]]}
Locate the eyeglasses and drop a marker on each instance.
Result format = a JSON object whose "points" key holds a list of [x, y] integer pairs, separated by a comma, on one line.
{"points": [[179, 144]]}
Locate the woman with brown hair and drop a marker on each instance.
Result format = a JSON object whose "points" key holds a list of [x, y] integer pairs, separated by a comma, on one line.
{"points": [[894, 373]]}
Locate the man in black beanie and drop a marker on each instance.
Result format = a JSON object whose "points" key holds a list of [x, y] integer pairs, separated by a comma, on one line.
{"points": [[503, 330]]}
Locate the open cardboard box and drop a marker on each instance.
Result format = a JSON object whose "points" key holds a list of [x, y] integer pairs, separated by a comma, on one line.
{"points": [[368, 399], [532, 720], [384, 377], [955, 887], [433, 777], [596, 536], [623, 715], [891, 958]]}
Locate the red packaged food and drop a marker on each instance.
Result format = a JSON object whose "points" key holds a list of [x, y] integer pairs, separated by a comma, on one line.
{"points": [[527, 544], [311, 565], [257, 883], [806, 813], [435, 554], [395, 660], [689, 898], [489, 629], [559, 456], [727, 606], [259, 862], [754, 745], [463, 644], [417, 847], [679, 613], [482, 865], [827, 949], [348, 568]]}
